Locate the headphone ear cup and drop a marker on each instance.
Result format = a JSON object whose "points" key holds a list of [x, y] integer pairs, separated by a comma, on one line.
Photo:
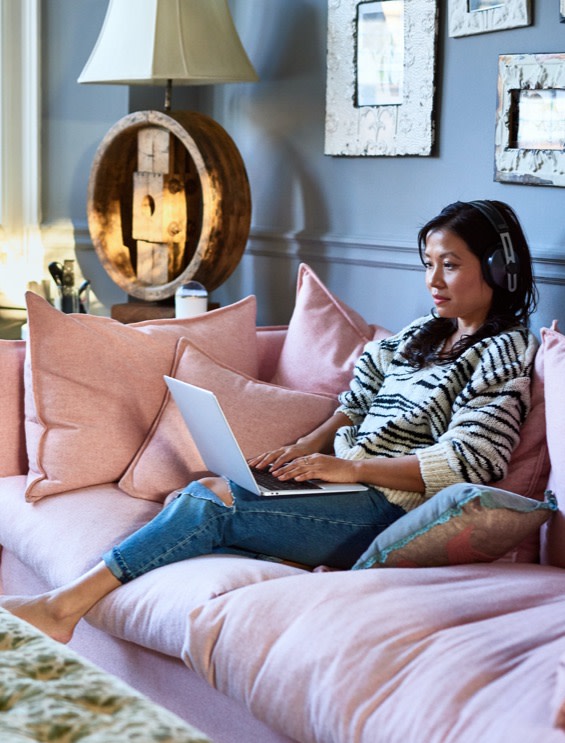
{"points": [[497, 271]]}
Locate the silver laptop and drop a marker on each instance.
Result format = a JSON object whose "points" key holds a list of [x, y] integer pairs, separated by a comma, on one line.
{"points": [[221, 453]]}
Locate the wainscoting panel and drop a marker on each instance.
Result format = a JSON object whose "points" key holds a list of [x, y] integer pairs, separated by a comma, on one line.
{"points": [[383, 280]]}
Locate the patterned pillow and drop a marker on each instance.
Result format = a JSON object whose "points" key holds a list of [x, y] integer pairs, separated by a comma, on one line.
{"points": [[461, 524]]}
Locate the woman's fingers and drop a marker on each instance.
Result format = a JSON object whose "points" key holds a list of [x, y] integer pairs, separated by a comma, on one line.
{"points": [[276, 458], [301, 468]]}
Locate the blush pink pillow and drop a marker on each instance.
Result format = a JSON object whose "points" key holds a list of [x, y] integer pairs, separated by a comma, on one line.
{"points": [[13, 458], [324, 340], [94, 386], [528, 470], [553, 349], [262, 417]]}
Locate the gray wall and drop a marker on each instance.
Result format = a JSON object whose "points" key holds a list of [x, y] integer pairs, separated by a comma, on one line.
{"points": [[354, 220]]}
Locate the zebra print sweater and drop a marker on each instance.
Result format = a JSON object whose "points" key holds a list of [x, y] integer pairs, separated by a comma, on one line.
{"points": [[461, 419]]}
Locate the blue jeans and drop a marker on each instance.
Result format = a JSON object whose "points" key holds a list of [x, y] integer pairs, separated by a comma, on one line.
{"points": [[331, 529]]}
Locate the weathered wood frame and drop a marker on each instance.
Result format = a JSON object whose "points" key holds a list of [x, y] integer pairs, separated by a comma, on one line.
{"points": [[391, 130], [512, 14], [526, 166], [223, 224]]}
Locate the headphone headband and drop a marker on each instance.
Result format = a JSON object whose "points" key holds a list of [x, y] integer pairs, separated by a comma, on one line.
{"points": [[501, 266]]}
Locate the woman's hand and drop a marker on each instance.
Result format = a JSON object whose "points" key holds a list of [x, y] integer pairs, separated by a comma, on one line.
{"points": [[277, 457], [317, 467], [319, 440]]}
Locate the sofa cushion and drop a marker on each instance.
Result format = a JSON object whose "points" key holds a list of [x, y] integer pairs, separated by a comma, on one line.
{"points": [[438, 654], [94, 386], [262, 416], [13, 458], [558, 698], [325, 338], [528, 470], [460, 524], [60, 538], [553, 348]]}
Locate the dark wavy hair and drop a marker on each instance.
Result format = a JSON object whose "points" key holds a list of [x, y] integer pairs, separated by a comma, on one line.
{"points": [[508, 309]]}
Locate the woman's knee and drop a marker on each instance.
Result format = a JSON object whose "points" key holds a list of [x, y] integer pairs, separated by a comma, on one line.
{"points": [[220, 487]]}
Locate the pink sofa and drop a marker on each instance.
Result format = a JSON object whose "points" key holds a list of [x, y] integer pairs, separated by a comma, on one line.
{"points": [[251, 649]]}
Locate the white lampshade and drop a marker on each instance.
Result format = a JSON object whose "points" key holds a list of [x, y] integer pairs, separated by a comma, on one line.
{"points": [[153, 42]]}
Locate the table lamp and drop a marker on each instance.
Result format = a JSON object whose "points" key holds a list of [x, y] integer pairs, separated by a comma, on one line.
{"points": [[168, 194]]}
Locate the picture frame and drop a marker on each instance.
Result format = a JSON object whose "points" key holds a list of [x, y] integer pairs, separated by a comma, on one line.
{"points": [[363, 117], [562, 11], [530, 120], [468, 17]]}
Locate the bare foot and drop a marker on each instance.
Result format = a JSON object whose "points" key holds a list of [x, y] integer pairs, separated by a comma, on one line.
{"points": [[42, 612], [58, 612]]}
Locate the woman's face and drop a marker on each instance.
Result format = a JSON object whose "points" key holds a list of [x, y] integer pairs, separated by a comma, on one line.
{"points": [[455, 280]]}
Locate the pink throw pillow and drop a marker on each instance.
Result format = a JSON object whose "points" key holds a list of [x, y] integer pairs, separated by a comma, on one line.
{"points": [[94, 386], [13, 458], [528, 470], [553, 534], [261, 415], [324, 339]]}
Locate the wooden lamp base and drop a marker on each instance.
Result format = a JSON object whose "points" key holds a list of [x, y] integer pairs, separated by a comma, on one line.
{"points": [[168, 202]]}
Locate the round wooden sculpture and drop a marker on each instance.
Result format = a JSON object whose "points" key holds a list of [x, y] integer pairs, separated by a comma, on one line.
{"points": [[168, 202]]}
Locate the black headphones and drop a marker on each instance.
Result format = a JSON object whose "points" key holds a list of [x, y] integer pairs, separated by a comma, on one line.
{"points": [[501, 264]]}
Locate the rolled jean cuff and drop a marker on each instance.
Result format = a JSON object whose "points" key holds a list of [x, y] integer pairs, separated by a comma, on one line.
{"points": [[117, 566], [126, 570]]}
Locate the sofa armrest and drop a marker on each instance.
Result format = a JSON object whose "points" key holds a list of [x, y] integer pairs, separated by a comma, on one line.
{"points": [[13, 456], [270, 340]]}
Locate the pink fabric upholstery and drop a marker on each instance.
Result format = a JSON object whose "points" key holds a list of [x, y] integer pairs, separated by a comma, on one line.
{"points": [[13, 457], [94, 386], [60, 538], [324, 339], [553, 350], [528, 470], [261, 415], [270, 341], [529, 466], [429, 655], [558, 701]]}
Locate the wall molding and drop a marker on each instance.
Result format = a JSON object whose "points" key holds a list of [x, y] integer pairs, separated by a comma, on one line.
{"points": [[62, 237], [390, 254]]}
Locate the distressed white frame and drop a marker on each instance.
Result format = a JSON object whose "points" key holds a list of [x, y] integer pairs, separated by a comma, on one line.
{"points": [[20, 207], [510, 14], [391, 130], [514, 165]]}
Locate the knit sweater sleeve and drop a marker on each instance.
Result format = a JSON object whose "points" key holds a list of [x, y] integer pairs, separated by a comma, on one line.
{"points": [[487, 414]]}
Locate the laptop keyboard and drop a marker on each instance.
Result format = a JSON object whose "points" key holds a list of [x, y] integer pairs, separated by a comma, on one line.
{"points": [[265, 479]]}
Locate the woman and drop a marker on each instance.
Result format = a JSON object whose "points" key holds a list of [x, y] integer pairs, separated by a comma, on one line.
{"points": [[439, 403]]}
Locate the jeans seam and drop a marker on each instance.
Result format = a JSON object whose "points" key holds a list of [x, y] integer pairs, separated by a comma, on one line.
{"points": [[309, 517]]}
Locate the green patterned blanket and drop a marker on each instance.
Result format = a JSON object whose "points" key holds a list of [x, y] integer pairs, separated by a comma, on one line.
{"points": [[49, 693]]}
